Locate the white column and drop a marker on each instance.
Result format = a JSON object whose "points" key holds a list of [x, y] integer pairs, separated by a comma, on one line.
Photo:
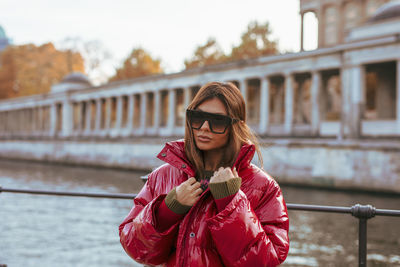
{"points": [[143, 104], [171, 111], [40, 119], [53, 119], [131, 110], [33, 120], [67, 117], [80, 117], [108, 114], [315, 92], [88, 116], [353, 100], [186, 96], [398, 95], [288, 103], [357, 88], [264, 105], [118, 122], [98, 115], [157, 110], [243, 89]]}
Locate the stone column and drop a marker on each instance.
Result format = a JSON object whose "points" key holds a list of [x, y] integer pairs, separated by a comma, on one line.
{"points": [[53, 119], [98, 115], [143, 107], [88, 116], [353, 101], [67, 118], [157, 104], [315, 92], [186, 97], [118, 122], [40, 119], [302, 32], [171, 111], [264, 105], [243, 89], [131, 110], [108, 114], [398, 95], [288, 104], [81, 117], [33, 120]]}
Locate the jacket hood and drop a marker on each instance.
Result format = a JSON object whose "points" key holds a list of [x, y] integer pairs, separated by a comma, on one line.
{"points": [[174, 154]]}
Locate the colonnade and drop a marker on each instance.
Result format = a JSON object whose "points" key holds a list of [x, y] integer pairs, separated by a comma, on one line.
{"points": [[150, 113], [318, 102]]}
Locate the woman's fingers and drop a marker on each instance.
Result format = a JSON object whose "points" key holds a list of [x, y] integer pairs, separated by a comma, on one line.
{"points": [[235, 172], [191, 180], [199, 191], [195, 186]]}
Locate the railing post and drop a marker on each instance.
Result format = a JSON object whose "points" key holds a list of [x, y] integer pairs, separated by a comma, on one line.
{"points": [[362, 243], [363, 213]]}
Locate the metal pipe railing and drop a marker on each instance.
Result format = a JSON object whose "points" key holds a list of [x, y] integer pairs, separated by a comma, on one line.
{"points": [[362, 212]]}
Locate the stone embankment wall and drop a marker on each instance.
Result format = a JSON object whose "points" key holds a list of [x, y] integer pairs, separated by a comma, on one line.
{"points": [[369, 165]]}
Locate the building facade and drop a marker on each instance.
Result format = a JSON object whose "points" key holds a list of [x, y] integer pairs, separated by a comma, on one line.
{"points": [[347, 88]]}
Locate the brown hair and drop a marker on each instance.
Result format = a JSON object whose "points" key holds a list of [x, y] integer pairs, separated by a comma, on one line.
{"points": [[239, 133]]}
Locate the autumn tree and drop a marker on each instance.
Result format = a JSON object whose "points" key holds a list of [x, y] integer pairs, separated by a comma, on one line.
{"points": [[7, 75], [208, 54], [139, 63], [30, 69], [255, 42], [96, 57]]}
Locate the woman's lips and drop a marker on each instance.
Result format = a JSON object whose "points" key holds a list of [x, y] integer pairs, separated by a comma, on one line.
{"points": [[202, 138]]}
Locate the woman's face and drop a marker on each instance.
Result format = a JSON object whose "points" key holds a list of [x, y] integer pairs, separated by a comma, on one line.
{"points": [[204, 138]]}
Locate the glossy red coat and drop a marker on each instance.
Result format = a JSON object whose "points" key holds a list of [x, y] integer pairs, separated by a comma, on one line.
{"points": [[251, 231]]}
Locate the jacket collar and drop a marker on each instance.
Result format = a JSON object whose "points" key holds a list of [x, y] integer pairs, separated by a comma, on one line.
{"points": [[174, 154]]}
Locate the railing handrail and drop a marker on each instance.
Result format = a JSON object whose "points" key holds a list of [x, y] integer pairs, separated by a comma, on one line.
{"points": [[362, 212], [290, 206]]}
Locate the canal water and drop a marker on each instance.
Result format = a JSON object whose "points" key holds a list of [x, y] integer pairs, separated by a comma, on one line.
{"points": [[37, 230]]}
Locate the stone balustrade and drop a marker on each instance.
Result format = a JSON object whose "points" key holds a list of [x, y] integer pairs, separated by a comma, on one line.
{"points": [[316, 93]]}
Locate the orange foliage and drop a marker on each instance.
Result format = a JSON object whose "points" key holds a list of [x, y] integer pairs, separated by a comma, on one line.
{"points": [[207, 54], [30, 69], [255, 42], [138, 64]]}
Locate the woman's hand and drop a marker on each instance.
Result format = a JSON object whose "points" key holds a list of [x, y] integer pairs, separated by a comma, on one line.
{"points": [[188, 192], [223, 175]]}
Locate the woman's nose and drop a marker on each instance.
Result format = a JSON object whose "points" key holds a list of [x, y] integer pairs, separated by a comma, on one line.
{"points": [[205, 126]]}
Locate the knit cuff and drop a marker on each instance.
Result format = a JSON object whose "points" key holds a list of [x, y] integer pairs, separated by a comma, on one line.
{"points": [[174, 205], [224, 189]]}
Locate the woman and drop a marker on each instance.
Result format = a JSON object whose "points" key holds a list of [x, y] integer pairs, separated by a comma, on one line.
{"points": [[208, 205]]}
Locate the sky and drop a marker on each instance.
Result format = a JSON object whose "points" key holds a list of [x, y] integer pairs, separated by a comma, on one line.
{"points": [[169, 30]]}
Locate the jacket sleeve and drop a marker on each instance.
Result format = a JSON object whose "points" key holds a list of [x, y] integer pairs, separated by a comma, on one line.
{"points": [[138, 232], [260, 236]]}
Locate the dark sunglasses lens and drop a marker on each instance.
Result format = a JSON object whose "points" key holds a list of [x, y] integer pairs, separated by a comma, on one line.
{"points": [[219, 124], [196, 119]]}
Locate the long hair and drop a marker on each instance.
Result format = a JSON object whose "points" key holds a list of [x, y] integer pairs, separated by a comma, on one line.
{"points": [[239, 133]]}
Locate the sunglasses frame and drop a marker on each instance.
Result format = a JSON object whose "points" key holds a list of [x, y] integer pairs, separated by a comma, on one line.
{"points": [[207, 117]]}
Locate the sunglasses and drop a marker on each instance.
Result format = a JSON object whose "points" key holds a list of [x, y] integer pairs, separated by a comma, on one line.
{"points": [[218, 123]]}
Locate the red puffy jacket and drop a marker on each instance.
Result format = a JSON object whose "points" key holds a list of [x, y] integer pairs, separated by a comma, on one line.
{"points": [[251, 231]]}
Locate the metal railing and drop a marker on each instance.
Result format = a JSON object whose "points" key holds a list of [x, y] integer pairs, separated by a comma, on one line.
{"points": [[362, 212]]}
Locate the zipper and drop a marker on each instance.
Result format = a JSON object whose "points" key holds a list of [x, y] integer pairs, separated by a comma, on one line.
{"points": [[197, 204]]}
